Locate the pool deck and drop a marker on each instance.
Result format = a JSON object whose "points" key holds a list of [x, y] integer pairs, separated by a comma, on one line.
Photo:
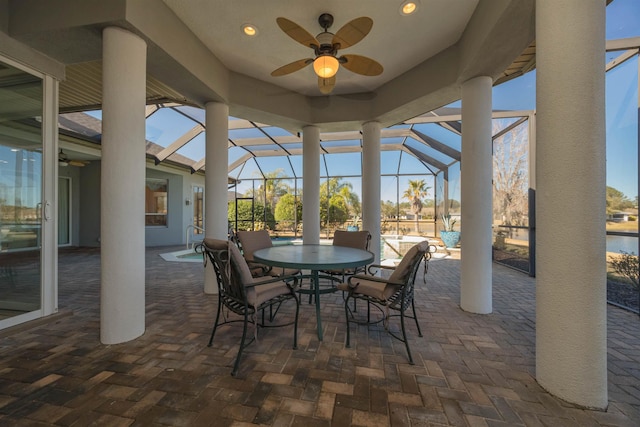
{"points": [[471, 370]]}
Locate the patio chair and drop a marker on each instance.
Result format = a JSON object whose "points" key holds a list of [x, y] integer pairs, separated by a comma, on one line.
{"points": [[239, 292], [393, 293], [350, 239], [251, 241]]}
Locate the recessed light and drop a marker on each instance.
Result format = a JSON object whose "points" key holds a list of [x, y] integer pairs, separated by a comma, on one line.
{"points": [[408, 7], [249, 30]]}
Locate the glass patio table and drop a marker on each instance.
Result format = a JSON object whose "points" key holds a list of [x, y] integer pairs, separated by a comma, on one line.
{"points": [[314, 258]]}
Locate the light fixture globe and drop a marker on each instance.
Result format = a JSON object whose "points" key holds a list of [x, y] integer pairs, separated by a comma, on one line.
{"points": [[326, 66]]}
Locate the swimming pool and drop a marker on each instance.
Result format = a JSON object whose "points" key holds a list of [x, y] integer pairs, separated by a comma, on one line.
{"points": [[391, 247], [189, 255], [185, 255]]}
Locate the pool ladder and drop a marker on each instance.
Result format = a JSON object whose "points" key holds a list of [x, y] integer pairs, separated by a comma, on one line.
{"points": [[189, 235]]}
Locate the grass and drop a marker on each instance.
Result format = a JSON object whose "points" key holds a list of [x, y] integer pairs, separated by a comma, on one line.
{"points": [[630, 226]]}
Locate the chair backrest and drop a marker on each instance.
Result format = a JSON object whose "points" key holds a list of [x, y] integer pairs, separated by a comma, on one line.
{"points": [[251, 241], [232, 271], [352, 239], [405, 273]]}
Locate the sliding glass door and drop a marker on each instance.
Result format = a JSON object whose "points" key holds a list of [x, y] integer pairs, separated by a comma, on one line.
{"points": [[21, 195]]}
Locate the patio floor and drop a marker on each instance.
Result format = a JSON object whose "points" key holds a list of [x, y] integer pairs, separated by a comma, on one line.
{"points": [[471, 370]]}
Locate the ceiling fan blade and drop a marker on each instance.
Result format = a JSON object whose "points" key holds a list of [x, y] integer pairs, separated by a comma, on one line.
{"points": [[78, 163], [326, 85], [353, 31], [297, 33], [361, 65], [292, 67]]}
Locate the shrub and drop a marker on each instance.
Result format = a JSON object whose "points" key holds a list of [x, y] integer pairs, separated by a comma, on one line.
{"points": [[627, 265]]}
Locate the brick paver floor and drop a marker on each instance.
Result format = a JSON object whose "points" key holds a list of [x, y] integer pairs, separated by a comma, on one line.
{"points": [[471, 370]]}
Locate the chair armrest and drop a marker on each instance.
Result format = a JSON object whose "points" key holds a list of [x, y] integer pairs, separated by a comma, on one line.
{"points": [[254, 264], [270, 279], [372, 279], [370, 267]]}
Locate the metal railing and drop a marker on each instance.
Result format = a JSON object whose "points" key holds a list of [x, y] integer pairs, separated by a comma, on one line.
{"points": [[189, 235]]}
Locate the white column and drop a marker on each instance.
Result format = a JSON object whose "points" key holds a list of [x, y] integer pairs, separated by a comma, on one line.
{"points": [[571, 316], [122, 197], [216, 179], [371, 185], [310, 185], [476, 195]]}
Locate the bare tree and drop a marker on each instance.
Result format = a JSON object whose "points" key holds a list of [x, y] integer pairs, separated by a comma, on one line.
{"points": [[510, 176]]}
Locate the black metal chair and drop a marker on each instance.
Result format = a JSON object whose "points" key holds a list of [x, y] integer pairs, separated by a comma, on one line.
{"points": [[393, 293], [251, 241], [239, 292], [350, 239]]}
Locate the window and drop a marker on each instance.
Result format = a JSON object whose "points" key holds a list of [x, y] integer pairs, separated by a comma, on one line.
{"points": [[198, 209], [156, 202]]}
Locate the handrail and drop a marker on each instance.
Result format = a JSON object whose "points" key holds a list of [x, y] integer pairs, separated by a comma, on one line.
{"points": [[187, 234]]}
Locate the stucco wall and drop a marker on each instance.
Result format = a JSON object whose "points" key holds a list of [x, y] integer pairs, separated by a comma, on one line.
{"points": [[86, 206], [173, 233]]}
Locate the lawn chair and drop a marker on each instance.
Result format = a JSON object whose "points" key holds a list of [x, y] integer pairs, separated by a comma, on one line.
{"points": [[350, 239], [239, 292], [251, 241], [393, 293]]}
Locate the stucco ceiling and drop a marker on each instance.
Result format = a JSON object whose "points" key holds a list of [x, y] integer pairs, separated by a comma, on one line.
{"points": [[197, 53], [397, 42]]}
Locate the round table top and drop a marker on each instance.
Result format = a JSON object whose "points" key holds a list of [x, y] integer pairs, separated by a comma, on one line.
{"points": [[313, 257]]}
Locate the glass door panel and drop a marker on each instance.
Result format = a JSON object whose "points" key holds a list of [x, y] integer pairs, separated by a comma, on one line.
{"points": [[20, 192]]}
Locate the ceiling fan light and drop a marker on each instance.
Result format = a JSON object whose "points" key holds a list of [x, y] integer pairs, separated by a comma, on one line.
{"points": [[408, 7], [326, 85], [326, 66]]}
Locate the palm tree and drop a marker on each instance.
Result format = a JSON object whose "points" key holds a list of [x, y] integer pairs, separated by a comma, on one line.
{"points": [[416, 191], [272, 188], [337, 197]]}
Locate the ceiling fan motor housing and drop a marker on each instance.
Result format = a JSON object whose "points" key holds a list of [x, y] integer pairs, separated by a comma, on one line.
{"points": [[326, 43], [325, 20]]}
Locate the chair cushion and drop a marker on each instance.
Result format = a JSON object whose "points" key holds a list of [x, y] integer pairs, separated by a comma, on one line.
{"points": [[234, 255], [351, 239], [251, 241], [379, 290], [258, 294], [382, 290], [401, 272]]}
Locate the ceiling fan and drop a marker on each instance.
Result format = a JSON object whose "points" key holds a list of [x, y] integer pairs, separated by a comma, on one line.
{"points": [[325, 46], [63, 160]]}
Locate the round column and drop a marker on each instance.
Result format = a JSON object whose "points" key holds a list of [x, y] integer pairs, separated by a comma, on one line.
{"points": [[571, 321], [371, 185], [310, 185], [476, 195], [216, 180], [122, 197]]}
